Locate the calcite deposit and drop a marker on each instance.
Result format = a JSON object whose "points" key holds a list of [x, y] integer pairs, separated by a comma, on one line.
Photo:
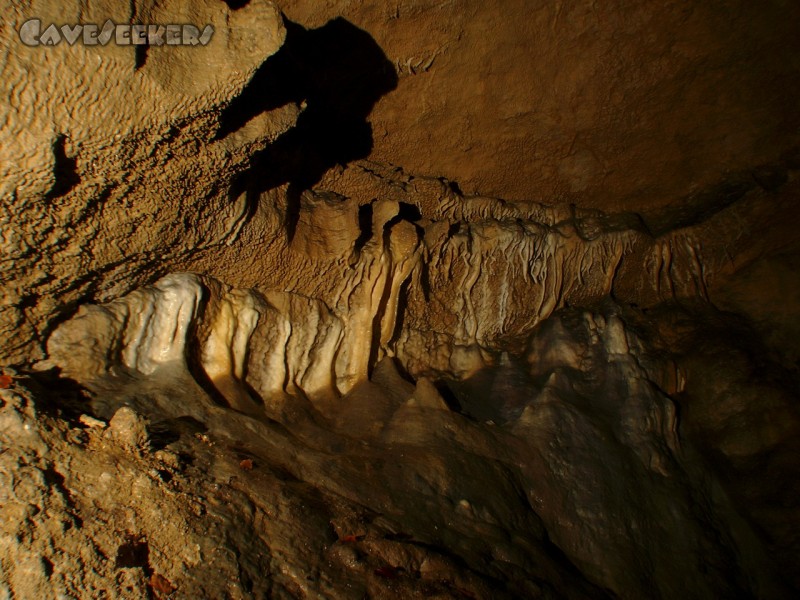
{"points": [[429, 300]]}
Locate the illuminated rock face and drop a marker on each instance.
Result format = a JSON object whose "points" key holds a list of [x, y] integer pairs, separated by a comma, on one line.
{"points": [[122, 163], [480, 291], [287, 342], [110, 160], [141, 332], [552, 354], [574, 435], [526, 368], [444, 284]]}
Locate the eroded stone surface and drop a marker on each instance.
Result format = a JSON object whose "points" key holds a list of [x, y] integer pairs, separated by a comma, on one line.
{"points": [[109, 161], [619, 106], [516, 486], [331, 377]]}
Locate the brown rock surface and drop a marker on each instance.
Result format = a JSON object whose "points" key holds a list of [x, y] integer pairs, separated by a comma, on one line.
{"points": [[109, 169], [620, 105], [431, 299]]}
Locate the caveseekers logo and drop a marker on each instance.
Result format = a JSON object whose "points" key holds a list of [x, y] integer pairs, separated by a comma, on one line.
{"points": [[32, 34]]}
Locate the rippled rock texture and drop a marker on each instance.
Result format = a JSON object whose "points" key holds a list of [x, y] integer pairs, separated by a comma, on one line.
{"points": [[109, 157], [553, 354]]}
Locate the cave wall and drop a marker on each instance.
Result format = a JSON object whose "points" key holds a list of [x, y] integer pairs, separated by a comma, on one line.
{"points": [[660, 117], [529, 264], [621, 105], [110, 168]]}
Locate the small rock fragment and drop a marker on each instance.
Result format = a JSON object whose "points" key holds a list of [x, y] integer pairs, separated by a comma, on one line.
{"points": [[128, 429], [427, 396], [246, 464], [169, 459], [161, 585], [90, 421]]}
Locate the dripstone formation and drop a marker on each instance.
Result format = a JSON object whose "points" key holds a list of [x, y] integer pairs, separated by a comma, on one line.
{"points": [[422, 301]]}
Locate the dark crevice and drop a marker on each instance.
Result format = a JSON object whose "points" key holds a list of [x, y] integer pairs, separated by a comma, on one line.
{"points": [[139, 51], [408, 212], [161, 434], [240, 186], [365, 226], [701, 206], [338, 72], [65, 170], [236, 4], [47, 566], [402, 307], [134, 553], [425, 277], [455, 188], [448, 395], [139, 56], [293, 206], [59, 397], [254, 395], [57, 481]]}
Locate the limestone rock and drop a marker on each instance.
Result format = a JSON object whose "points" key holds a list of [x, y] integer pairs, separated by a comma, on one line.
{"points": [[427, 396], [437, 299], [576, 103], [327, 226], [116, 145], [128, 429]]}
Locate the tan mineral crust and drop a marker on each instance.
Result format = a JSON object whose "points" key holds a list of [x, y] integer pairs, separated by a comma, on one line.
{"points": [[423, 299]]}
